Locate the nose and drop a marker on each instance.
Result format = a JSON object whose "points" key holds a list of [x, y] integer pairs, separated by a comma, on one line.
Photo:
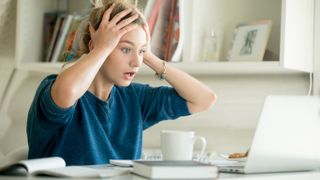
{"points": [[136, 60]]}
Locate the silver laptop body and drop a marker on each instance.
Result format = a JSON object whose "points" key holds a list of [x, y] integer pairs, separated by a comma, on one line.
{"points": [[287, 137]]}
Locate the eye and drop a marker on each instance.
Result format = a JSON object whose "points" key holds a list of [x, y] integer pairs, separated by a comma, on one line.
{"points": [[126, 50], [142, 51]]}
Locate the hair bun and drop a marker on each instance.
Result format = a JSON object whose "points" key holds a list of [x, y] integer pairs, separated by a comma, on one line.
{"points": [[97, 3]]}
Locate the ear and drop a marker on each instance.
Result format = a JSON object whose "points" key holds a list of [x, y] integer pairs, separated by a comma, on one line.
{"points": [[91, 45]]}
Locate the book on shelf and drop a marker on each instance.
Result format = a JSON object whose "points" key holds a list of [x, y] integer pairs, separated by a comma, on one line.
{"points": [[61, 37], [56, 167], [177, 33], [151, 13], [174, 169], [158, 37], [165, 27], [171, 30], [69, 38], [50, 19], [53, 40]]}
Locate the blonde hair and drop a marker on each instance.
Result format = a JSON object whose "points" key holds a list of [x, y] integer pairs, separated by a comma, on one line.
{"points": [[95, 20]]}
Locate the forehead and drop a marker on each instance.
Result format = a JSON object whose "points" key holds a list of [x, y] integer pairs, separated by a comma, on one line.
{"points": [[137, 36]]}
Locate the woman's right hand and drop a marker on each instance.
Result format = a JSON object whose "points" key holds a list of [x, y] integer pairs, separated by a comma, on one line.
{"points": [[108, 34]]}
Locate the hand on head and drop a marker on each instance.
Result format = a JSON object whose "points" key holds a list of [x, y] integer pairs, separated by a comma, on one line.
{"points": [[109, 32]]}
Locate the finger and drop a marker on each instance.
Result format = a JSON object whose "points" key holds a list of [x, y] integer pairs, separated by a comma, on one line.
{"points": [[106, 15], [120, 15], [127, 21], [127, 29]]}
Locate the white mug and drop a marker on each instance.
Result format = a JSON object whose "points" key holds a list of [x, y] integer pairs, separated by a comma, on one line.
{"points": [[178, 145]]}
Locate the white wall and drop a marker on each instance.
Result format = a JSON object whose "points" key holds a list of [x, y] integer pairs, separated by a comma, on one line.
{"points": [[224, 15], [316, 50], [228, 126], [7, 42]]}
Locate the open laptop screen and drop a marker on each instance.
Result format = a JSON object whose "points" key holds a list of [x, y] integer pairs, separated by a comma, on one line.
{"points": [[287, 135]]}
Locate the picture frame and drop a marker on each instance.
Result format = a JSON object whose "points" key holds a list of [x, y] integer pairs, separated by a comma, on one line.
{"points": [[250, 41]]}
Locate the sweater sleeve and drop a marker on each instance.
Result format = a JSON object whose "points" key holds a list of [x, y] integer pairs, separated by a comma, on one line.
{"points": [[45, 111], [160, 103]]}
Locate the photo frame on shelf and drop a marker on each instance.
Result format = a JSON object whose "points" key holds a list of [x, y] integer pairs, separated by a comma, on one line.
{"points": [[250, 41]]}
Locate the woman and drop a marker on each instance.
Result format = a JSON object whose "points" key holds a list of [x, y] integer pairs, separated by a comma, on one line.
{"points": [[91, 112]]}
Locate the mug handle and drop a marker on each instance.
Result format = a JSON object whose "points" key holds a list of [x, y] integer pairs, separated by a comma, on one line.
{"points": [[204, 145]]}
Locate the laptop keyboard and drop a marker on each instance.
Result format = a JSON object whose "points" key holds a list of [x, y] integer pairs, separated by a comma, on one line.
{"points": [[155, 154]]}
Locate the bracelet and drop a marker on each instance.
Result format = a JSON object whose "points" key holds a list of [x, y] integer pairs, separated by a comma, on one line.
{"points": [[163, 75]]}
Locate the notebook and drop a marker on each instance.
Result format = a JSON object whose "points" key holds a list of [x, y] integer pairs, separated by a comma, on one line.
{"points": [[286, 138], [56, 166]]}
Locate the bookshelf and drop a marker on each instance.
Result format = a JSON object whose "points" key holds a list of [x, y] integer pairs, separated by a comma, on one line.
{"points": [[30, 13]]}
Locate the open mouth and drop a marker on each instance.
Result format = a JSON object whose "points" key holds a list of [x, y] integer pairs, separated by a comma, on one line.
{"points": [[129, 75]]}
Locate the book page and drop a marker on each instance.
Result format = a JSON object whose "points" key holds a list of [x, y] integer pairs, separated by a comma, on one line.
{"points": [[43, 163], [121, 163], [84, 172]]}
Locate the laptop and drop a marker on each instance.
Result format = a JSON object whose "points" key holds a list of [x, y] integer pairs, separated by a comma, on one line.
{"points": [[287, 137]]}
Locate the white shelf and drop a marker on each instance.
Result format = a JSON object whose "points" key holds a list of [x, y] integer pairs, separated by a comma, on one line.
{"points": [[40, 67], [211, 68], [30, 13], [194, 68]]}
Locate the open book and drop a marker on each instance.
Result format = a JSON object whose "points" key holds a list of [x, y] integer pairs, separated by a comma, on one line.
{"points": [[56, 166]]}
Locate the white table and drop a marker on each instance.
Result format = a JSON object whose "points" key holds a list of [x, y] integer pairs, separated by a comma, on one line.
{"points": [[224, 176]]}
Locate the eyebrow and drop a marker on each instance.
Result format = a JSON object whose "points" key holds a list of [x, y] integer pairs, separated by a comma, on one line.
{"points": [[130, 42]]}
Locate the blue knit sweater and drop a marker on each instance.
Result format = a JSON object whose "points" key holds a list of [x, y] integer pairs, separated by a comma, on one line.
{"points": [[93, 131]]}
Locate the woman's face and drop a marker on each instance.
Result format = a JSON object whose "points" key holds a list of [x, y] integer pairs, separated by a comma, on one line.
{"points": [[125, 60]]}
